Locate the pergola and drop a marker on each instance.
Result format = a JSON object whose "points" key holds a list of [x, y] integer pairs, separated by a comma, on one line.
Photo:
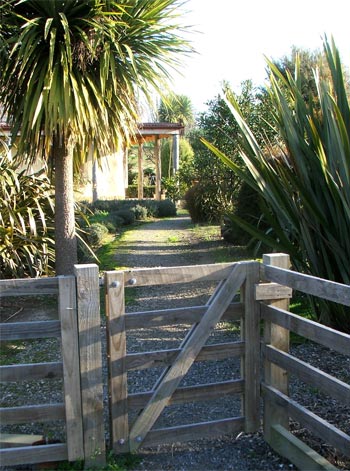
{"points": [[155, 132]]}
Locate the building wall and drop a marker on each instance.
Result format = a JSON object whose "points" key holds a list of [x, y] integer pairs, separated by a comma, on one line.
{"points": [[109, 179]]}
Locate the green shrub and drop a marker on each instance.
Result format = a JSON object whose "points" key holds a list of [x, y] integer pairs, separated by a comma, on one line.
{"points": [[200, 206], [140, 212], [119, 221], [166, 208], [127, 215], [132, 191], [26, 222], [95, 234], [247, 208]]}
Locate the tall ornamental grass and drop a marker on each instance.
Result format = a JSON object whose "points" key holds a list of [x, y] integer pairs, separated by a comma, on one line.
{"points": [[305, 185]]}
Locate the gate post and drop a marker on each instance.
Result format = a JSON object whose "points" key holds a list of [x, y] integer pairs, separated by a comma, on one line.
{"points": [[89, 325], [250, 363], [277, 337], [116, 345]]}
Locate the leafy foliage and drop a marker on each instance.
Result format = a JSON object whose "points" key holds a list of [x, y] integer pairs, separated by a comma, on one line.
{"points": [[26, 219], [220, 185], [305, 187]]}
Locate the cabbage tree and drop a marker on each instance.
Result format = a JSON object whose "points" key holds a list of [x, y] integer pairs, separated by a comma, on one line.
{"points": [[71, 74]]}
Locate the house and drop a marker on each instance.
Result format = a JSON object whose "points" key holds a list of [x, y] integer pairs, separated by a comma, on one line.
{"points": [[108, 179]]}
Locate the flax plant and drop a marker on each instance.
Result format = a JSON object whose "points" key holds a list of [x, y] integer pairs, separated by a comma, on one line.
{"points": [[305, 185]]}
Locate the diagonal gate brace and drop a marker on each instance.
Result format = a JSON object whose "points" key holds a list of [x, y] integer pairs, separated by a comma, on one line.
{"points": [[186, 357]]}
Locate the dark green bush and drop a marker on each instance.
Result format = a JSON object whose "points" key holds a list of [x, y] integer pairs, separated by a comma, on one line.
{"points": [[200, 206], [127, 215], [132, 191], [166, 208], [247, 208], [140, 212], [95, 234]]}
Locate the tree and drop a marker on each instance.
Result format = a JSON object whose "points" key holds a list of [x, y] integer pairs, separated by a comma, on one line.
{"points": [[71, 75], [176, 109]]}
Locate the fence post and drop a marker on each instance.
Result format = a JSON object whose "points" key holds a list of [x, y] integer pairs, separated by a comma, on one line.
{"points": [[116, 345], [250, 363], [277, 337], [67, 306], [89, 324]]}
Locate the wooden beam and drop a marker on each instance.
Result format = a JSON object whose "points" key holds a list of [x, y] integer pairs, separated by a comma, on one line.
{"points": [[183, 274], [158, 163], [278, 337], [37, 413], [181, 315], [28, 286], [308, 284], [272, 291], [320, 427], [309, 374], [29, 330], [338, 341], [116, 347], [297, 452], [200, 392], [140, 172], [31, 371], [186, 358], [190, 432], [67, 308], [250, 361], [33, 454], [89, 323]]}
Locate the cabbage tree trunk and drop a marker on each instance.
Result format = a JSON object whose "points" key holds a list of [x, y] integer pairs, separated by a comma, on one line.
{"points": [[65, 236]]}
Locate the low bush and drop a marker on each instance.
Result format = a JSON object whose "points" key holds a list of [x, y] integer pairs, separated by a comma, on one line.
{"points": [[166, 208], [200, 206], [95, 234], [140, 212], [127, 215]]}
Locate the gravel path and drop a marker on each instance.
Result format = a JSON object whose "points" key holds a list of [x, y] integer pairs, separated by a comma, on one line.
{"points": [[175, 242]]}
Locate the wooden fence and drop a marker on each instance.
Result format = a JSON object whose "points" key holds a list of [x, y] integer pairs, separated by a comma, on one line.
{"points": [[82, 387], [278, 363], [265, 290]]}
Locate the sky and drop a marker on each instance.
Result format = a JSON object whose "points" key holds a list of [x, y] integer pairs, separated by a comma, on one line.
{"points": [[231, 38]]}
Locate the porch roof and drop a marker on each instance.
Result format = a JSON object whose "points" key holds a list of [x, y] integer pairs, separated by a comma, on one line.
{"points": [[149, 131]]}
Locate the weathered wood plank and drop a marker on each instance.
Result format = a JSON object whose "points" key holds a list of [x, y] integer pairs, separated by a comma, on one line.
{"points": [[12, 440], [28, 286], [183, 274], [215, 352], [308, 284], [320, 427], [33, 454], [30, 372], [250, 362], [272, 291], [297, 452], [29, 330], [188, 315], [319, 333], [201, 392], [67, 308], [116, 344], [37, 413], [279, 337], [187, 356], [194, 431], [309, 374], [89, 325]]}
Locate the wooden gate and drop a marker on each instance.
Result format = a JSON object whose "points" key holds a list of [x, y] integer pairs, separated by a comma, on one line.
{"points": [[231, 278]]}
